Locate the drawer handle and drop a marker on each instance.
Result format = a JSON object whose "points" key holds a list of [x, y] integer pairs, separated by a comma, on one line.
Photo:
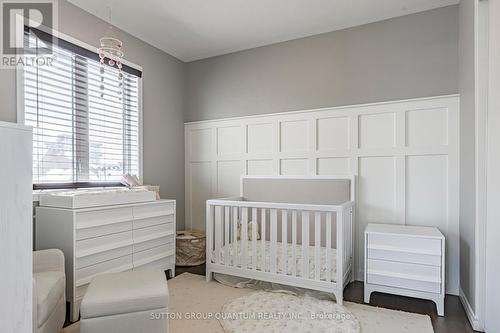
{"points": [[104, 248]]}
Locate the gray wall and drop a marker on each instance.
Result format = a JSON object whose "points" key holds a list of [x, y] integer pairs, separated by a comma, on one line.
{"points": [[162, 101], [405, 57], [467, 151]]}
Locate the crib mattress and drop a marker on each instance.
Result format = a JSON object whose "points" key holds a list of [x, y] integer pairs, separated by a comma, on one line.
{"points": [[234, 250]]}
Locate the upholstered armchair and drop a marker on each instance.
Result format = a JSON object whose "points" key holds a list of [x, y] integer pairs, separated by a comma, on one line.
{"points": [[49, 291]]}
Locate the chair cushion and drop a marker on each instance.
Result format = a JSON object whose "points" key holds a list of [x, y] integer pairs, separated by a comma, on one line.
{"points": [[49, 289], [125, 292]]}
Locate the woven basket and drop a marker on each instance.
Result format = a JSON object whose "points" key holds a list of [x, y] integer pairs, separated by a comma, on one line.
{"points": [[190, 248]]}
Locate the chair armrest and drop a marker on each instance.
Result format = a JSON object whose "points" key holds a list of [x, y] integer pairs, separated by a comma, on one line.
{"points": [[34, 314], [48, 260]]}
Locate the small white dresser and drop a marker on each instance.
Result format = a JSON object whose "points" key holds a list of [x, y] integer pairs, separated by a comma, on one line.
{"points": [[107, 239], [405, 260]]}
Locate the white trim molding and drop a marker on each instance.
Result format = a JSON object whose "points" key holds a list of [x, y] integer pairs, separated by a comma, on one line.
{"points": [[481, 55], [471, 315]]}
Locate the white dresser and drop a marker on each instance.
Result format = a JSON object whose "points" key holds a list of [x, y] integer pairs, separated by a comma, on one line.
{"points": [[405, 260], [16, 249], [107, 239]]}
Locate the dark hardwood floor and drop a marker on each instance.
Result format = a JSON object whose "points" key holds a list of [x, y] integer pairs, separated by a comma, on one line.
{"points": [[454, 321]]}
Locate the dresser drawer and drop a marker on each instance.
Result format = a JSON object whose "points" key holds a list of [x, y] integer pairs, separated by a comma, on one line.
{"points": [[99, 249], [404, 275], [384, 253], [155, 254], [86, 274], [154, 232], [95, 218], [163, 264], [398, 282], [154, 209], [154, 243], [81, 290], [151, 221], [103, 230], [104, 243], [420, 245]]}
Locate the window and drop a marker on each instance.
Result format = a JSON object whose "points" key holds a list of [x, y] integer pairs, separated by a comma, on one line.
{"points": [[82, 134]]}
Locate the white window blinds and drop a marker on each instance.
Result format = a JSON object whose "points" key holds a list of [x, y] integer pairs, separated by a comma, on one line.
{"points": [[81, 133]]}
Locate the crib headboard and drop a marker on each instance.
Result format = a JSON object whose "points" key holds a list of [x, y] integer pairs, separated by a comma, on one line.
{"points": [[318, 190]]}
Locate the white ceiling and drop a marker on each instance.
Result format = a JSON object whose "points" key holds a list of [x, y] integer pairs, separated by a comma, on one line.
{"points": [[197, 29]]}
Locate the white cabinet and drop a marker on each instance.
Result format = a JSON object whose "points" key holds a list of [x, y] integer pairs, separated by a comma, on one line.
{"points": [[16, 245], [405, 260], [108, 239]]}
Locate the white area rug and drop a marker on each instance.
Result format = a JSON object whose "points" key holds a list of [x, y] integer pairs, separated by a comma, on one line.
{"points": [[278, 312], [197, 304]]}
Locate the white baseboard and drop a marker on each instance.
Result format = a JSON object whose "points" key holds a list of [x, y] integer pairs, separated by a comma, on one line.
{"points": [[469, 311]]}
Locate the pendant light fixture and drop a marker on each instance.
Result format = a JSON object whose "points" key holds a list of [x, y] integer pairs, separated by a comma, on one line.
{"points": [[111, 50]]}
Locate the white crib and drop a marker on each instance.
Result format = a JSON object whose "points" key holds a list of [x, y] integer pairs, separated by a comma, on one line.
{"points": [[308, 245]]}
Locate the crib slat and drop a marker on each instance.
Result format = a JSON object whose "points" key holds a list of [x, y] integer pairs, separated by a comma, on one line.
{"points": [[255, 225], [272, 258], [329, 246], [209, 227], [346, 234], [294, 243], [305, 245], [263, 238], [317, 243], [284, 241], [340, 249], [351, 242], [217, 238], [235, 237], [227, 220], [244, 237]]}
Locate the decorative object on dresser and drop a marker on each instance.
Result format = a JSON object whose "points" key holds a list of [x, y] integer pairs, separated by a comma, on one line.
{"points": [[405, 260], [16, 246], [107, 239]]}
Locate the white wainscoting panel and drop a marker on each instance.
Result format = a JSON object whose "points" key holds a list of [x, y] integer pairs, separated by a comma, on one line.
{"points": [[228, 177], [377, 130], [229, 141], [261, 138], [294, 166], [200, 143], [427, 128], [329, 166], [404, 154], [294, 136], [200, 176], [333, 133], [260, 167]]}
